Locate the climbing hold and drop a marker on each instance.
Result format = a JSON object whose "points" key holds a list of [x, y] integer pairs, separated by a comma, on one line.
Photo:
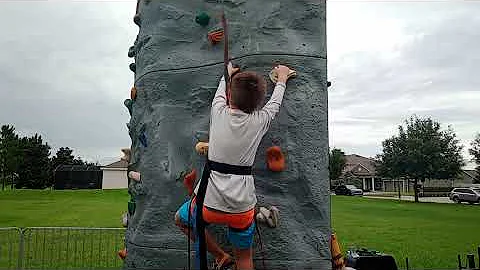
{"points": [[275, 159], [131, 51], [268, 216], [274, 76], [329, 84], [133, 67], [215, 36], [131, 207], [202, 148], [137, 20], [133, 93], [143, 139], [122, 254], [127, 153], [125, 220], [129, 104], [189, 181], [134, 175], [337, 257], [203, 19]]}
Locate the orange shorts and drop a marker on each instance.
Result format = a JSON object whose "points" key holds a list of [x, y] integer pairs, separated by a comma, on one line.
{"points": [[233, 220]]}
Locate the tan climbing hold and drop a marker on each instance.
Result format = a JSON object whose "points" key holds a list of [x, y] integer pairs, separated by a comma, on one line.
{"points": [[202, 148], [125, 220], [274, 76], [133, 93], [269, 216], [126, 152], [134, 175]]}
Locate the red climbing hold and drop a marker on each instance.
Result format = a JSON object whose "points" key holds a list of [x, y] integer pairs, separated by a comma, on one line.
{"points": [[133, 93], [122, 254], [275, 159], [215, 36], [189, 181]]}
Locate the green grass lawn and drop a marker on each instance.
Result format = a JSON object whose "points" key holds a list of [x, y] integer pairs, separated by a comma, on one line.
{"points": [[431, 235], [75, 208]]}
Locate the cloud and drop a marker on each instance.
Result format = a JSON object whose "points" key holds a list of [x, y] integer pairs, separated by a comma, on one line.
{"points": [[65, 73], [65, 70], [427, 68]]}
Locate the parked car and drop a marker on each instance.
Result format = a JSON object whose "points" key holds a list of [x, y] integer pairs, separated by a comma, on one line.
{"points": [[470, 195], [349, 190]]}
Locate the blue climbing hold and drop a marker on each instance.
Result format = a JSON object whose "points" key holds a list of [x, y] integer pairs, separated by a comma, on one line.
{"points": [[143, 139]]}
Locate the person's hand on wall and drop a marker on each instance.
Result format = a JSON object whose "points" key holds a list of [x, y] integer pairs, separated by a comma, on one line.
{"points": [[283, 73], [232, 69]]}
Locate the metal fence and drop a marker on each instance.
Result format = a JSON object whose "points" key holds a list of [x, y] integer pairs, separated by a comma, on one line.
{"points": [[60, 248]]}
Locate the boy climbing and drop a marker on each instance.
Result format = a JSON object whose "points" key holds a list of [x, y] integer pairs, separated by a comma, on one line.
{"points": [[237, 125]]}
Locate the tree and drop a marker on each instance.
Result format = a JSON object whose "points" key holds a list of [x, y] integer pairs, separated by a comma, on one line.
{"points": [[34, 170], [10, 154], [421, 151], [336, 163], [475, 152]]}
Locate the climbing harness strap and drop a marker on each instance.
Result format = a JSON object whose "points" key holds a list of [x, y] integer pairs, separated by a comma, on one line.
{"points": [[200, 197], [229, 169]]}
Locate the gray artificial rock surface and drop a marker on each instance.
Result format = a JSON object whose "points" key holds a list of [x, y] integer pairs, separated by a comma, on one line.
{"points": [[176, 75]]}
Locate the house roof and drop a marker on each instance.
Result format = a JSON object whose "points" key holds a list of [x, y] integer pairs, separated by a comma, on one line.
{"points": [[359, 165], [121, 164]]}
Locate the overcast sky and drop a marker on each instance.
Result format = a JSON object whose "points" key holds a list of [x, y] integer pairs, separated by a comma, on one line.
{"points": [[64, 71]]}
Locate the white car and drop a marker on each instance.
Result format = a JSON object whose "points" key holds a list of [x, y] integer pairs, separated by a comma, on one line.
{"points": [[470, 195]]}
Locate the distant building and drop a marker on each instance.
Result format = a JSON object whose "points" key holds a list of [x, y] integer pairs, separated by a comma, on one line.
{"points": [[361, 172], [115, 175]]}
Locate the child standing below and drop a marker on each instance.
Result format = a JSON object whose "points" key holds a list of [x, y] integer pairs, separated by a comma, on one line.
{"points": [[236, 129]]}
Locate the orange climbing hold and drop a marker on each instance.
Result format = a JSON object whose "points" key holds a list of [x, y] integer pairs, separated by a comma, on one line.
{"points": [[337, 257], [215, 36], [275, 159], [122, 254], [133, 93], [189, 181]]}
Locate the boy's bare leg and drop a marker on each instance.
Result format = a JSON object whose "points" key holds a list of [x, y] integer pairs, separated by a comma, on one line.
{"points": [[212, 245], [244, 259]]}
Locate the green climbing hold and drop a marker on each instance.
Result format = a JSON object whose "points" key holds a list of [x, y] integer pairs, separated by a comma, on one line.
{"points": [[131, 207], [203, 19], [137, 20], [133, 67], [131, 51], [128, 103]]}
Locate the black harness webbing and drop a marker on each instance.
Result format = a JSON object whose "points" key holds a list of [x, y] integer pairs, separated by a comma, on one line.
{"points": [[200, 197]]}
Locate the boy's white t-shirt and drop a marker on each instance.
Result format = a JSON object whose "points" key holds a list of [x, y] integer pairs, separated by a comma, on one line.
{"points": [[234, 139]]}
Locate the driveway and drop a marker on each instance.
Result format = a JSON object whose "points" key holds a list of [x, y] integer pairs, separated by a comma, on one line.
{"points": [[412, 198]]}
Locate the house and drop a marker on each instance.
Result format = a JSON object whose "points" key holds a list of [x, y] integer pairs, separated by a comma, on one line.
{"points": [[115, 175], [360, 171]]}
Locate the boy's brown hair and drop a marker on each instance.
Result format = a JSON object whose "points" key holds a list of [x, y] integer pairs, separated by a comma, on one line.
{"points": [[248, 91]]}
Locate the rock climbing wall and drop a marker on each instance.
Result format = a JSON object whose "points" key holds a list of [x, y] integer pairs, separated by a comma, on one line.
{"points": [[177, 70]]}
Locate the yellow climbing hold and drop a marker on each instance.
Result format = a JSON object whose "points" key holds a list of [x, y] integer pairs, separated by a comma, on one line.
{"points": [[274, 76], [202, 148]]}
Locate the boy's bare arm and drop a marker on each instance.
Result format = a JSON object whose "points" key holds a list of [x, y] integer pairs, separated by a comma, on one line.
{"points": [[220, 98], [270, 110]]}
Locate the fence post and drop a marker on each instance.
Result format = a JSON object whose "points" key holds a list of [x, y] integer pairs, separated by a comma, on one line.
{"points": [[21, 248]]}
